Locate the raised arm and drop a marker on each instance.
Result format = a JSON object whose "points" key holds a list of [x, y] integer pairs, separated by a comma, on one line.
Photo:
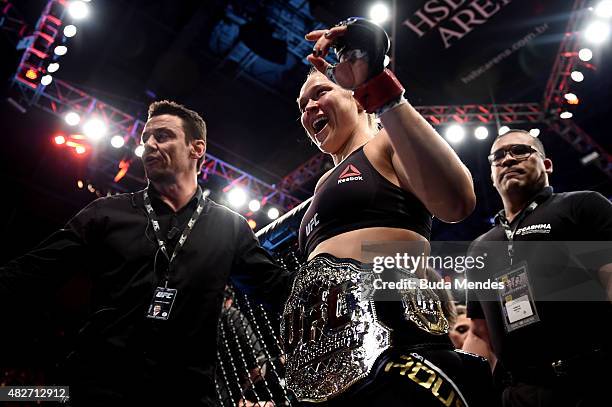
{"points": [[424, 162]]}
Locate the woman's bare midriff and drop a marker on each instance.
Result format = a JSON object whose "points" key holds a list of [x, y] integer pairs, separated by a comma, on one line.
{"points": [[349, 244]]}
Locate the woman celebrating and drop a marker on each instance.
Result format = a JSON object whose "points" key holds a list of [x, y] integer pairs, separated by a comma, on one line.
{"points": [[342, 347]]}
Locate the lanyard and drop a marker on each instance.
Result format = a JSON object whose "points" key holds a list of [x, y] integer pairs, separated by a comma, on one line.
{"points": [[156, 229], [510, 231]]}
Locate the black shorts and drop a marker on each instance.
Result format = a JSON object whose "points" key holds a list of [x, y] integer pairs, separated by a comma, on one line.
{"points": [[427, 378]]}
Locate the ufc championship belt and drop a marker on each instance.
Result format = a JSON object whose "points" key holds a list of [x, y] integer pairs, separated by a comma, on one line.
{"points": [[330, 331]]}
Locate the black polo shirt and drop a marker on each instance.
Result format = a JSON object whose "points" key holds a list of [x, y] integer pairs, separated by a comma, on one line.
{"points": [[566, 328]]}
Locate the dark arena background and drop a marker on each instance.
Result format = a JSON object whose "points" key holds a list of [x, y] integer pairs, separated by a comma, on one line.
{"points": [[77, 78]]}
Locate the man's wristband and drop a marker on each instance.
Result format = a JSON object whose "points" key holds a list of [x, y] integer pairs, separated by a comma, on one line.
{"points": [[379, 91]]}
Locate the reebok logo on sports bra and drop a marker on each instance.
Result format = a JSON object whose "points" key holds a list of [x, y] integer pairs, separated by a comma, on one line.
{"points": [[350, 173]]}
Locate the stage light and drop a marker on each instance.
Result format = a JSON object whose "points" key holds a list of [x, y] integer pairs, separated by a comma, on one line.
{"points": [[534, 132], [254, 205], [570, 96], [80, 184], [59, 140], [46, 80], [585, 54], [78, 10], [206, 192], [597, 32], [60, 50], [80, 149], [94, 129], [70, 31], [379, 13], [503, 130], [72, 118], [589, 157], [117, 141], [139, 150], [455, 133], [604, 9], [577, 76], [566, 115], [53, 67], [31, 74], [273, 213], [236, 197], [481, 133], [252, 223]]}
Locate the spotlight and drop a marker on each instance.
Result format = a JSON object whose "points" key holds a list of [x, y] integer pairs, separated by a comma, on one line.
{"points": [[589, 157], [577, 76], [566, 115], [80, 149], [273, 213], [481, 133], [60, 50], [78, 10], [53, 67], [455, 133], [379, 13], [534, 132], [252, 223], [80, 184], [503, 130], [70, 31], [585, 54], [94, 129], [72, 118], [604, 9], [570, 96], [46, 80], [31, 74], [254, 205], [117, 141], [206, 192], [59, 140], [597, 32], [139, 150], [236, 197]]}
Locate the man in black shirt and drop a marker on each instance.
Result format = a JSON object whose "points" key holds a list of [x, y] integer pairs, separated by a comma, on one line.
{"points": [[159, 260], [549, 327]]}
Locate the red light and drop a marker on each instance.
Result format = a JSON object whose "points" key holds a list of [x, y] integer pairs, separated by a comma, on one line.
{"points": [[59, 140], [31, 74]]}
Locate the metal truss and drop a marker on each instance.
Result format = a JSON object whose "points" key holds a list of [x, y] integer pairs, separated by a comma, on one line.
{"points": [[38, 45], [584, 144], [558, 85], [565, 61], [511, 113], [306, 172], [59, 97], [11, 20]]}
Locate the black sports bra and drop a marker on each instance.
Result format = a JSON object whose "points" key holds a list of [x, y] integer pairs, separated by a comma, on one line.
{"points": [[356, 196]]}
